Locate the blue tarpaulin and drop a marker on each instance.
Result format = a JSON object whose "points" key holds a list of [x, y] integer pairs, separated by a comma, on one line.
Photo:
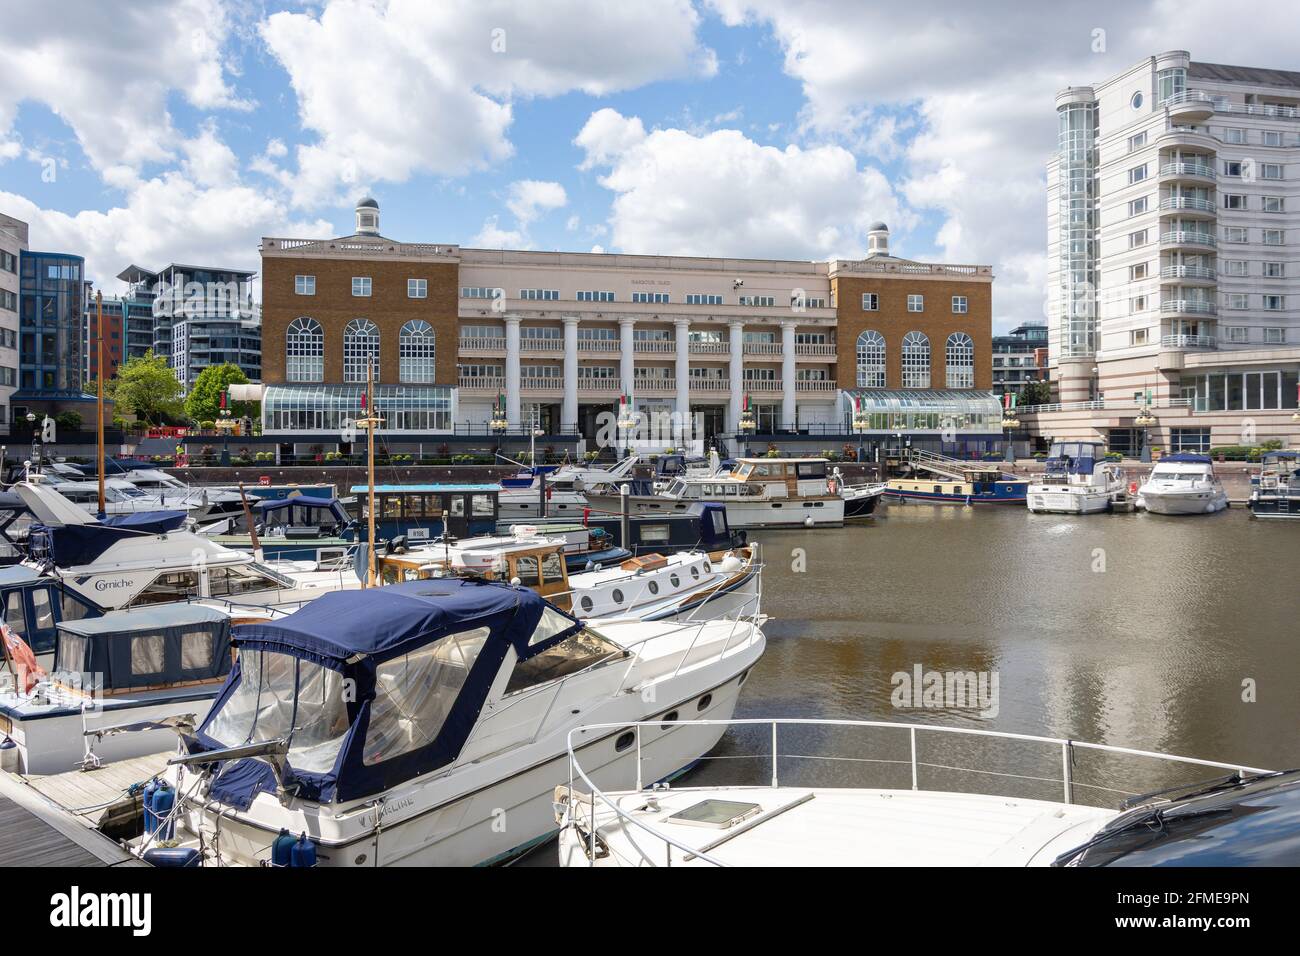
{"points": [[73, 545]]}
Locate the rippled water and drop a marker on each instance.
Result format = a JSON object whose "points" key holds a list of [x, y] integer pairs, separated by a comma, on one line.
{"points": [[1149, 653]]}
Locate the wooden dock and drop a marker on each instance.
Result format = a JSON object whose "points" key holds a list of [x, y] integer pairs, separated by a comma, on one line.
{"points": [[34, 831]]}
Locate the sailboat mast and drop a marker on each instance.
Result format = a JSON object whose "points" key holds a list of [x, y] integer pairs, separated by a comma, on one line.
{"points": [[99, 403], [371, 420]]}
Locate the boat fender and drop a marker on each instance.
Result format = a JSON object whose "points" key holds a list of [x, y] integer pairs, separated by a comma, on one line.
{"points": [[730, 564], [304, 852], [808, 522], [173, 856], [146, 802], [282, 849], [8, 755]]}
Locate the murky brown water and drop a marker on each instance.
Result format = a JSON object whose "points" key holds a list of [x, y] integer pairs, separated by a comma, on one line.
{"points": [[1149, 653]]}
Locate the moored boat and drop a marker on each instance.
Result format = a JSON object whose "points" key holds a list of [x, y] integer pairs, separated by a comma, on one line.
{"points": [[1182, 484], [1077, 479], [1276, 493]]}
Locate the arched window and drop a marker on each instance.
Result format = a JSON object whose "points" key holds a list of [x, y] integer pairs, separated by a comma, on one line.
{"points": [[959, 361], [916, 360], [360, 345], [304, 351], [416, 352], [871, 359]]}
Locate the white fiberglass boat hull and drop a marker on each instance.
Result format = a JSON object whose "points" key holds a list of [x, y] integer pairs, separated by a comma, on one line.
{"points": [[1182, 502], [835, 827], [1056, 499], [760, 513]]}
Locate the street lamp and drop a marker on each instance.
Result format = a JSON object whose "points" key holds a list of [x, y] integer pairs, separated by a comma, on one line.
{"points": [[626, 424], [36, 440], [861, 425], [1144, 421], [746, 424], [224, 425], [1009, 424]]}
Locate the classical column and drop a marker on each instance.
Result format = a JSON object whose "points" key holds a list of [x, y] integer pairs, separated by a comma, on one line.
{"points": [[627, 354], [569, 411], [736, 343], [682, 336], [512, 369], [788, 385]]}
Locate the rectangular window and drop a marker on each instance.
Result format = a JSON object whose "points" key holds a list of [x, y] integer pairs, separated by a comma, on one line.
{"points": [[870, 302], [1273, 237], [1238, 334], [1238, 300], [361, 285], [481, 292], [1234, 201], [1234, 234], [1137, 174], [1138, 271], [1137, 141], [417, 288], [1275, 270], [701, 298], [1270, 170], [657, 298], [304, 285], [916, 303], [1232, 167], [1137, 337], [540, 295], [757, 300], [1138, 304], [595, 296], [1272, 138], [1138, 238], [1235, 267], [1274, 204], [1195, 440], [1274, 336], [1234, 136], [1137, 206], [1274, 303], [959, 305]]}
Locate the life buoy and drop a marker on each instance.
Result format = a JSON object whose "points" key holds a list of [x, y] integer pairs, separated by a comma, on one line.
{"points": [[1132, 487]]}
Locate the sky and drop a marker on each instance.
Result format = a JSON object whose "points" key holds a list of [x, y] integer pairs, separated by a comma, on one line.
{"points": [[160, 131]]}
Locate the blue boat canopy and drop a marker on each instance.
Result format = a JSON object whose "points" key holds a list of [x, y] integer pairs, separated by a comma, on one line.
{"points": [[1186, 458], [168, 644], [372, 687], [307, 503], [69, 546]]}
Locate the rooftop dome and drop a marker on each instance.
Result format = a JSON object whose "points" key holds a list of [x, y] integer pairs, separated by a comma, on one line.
{"points": [[369, 203], [877, 226]]}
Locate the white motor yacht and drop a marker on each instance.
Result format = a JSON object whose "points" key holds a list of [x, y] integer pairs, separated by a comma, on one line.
{"points": [[122, 496], [877, 812], [1077, 479], [1182, 484], [448, 750]]}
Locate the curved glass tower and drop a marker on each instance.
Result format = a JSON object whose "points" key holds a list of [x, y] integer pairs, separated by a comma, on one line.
{"points": [[1077, 222]]}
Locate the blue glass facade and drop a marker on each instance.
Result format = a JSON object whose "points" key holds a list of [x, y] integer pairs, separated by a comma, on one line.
{"points": [[52, 301]]}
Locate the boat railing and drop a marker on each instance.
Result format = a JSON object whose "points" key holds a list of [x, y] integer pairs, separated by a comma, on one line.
{"points": [[1068, 751]]}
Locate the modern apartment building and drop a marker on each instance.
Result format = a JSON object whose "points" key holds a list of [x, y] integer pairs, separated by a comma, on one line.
{"points": [[52, 333], [13, 242], [462, 337], [1173, 229], [1020, 357], [201, 316]]}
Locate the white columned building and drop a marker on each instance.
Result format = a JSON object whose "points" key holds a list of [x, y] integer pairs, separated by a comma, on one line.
{"points": [[513, 377], [788, 376], [569, 410], [682, 339], [736, 345]]}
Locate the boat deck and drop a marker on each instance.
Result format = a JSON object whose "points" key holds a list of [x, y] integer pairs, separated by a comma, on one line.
{"points": [[36, 832], [100, 798]]}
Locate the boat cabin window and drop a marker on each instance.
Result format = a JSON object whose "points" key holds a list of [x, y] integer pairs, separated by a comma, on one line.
{"points": [[576, 653], [811, 469], [553, 568], [654, 534], [1168, 474], [15, 616], [414, 694], [223, 582], [278, 695], [481, 506], [172, 586], [526, 570], [744, 471]]}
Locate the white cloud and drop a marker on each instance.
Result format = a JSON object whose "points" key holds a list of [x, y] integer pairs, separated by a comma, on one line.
{"points": [[529, 198], [982, 79], [492, 236], [107, 69], [392, 89], [723, 194]]}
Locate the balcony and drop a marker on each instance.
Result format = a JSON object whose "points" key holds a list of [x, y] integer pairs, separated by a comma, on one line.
{"points": [[826, 351], [1187, 341], [1184, 170], [483, 383], [541, 383], [551, 346], [763, 348], [1271, 110], [601, 346], [1187, 307], [655, 386], [1188, 204], [710, 385], [482, 344], [763, 386], [710, 348], [1188, 237], [1189, 106], [599, 386], [815, 385], [655, 346], [1188, 273]]}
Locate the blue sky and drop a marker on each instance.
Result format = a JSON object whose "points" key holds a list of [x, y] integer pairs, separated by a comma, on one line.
{"points": [[154, 131]]}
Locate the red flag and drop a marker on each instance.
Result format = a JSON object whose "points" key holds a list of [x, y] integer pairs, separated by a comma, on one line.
{"points": [[223, 398], [363, 401], [21, 657]]}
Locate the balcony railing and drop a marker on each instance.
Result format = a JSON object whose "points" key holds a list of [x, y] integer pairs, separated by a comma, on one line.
{"points": [[603, 385], [542, 383], [763, 385], [482, 344], [657, 346], [1189, 98], [483, 383], [762, 348], [1099, 404], [710, 385], [1193, 306], [814, 385], [656, 385], [1187, 202], [1276, 111], [817, 350], [1188, 237], [710, 348], [1188, 272], [598, 345], [1187, 169], [1187, 341], [541, 345]]}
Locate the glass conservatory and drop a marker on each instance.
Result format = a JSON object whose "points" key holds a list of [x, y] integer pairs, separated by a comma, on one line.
{"points": [[315, 409]]}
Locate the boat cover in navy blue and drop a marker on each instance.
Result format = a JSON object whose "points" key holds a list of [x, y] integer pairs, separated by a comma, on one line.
{"points": [[73, 545], [1185, 458], [104, 645]]}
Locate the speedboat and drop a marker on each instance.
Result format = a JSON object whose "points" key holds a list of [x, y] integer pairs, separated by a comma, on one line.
{"points": [[879, 813], [428, 723], [1182, 484], [301, 528], [691, 585], [1077, 479], [758, 493], [1276, 492], [122, 496]]}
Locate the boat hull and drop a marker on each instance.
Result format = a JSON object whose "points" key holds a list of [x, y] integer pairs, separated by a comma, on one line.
{"points": [[765, 513], [1196, 503], [1056, 501], [1275, 507], [861, 505]]}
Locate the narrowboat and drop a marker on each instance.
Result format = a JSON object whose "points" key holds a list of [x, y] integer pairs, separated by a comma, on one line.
{"points": [[1277, 492], [423, 512], [943, 480]]}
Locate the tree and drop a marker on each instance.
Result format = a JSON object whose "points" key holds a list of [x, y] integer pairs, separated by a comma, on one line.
{"points": [[146, 387], [204, 400], [1036, 393]]}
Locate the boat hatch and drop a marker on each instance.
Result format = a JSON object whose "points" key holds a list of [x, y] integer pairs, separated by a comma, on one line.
{"points": [[147, 649], [718, 814], [373, 688]]}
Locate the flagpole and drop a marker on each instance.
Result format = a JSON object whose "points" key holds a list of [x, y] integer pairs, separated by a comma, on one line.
{"points": [[370, 467], [99, 397]]}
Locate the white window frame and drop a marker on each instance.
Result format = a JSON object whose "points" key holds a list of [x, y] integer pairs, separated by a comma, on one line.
{"points": [[417, 288], [362, 287], [871, 302], [304, 285], [915, 302]]}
